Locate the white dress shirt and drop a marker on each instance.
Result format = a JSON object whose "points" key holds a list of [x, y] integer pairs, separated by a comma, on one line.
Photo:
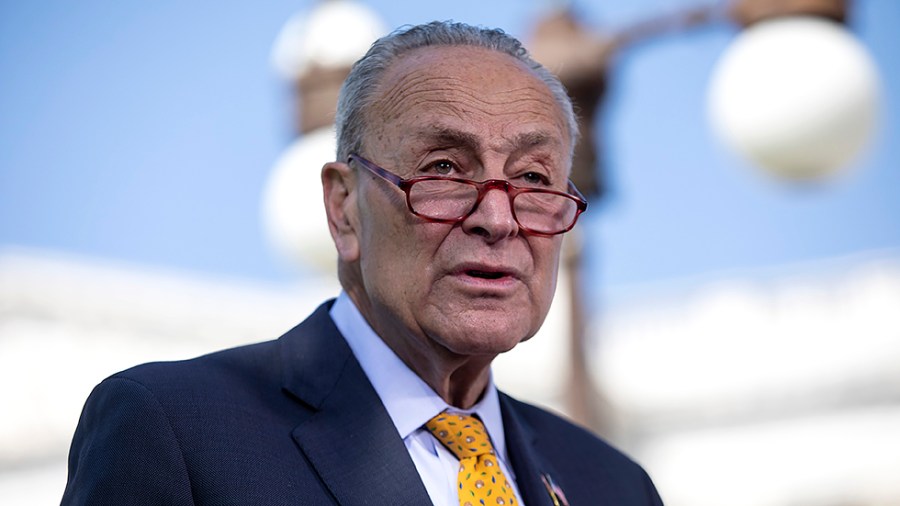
{"points": [[410, 402]]}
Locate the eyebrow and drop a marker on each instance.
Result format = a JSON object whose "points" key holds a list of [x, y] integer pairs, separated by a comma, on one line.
{"points": [[453, 137], [534, 140], [450, 137]]}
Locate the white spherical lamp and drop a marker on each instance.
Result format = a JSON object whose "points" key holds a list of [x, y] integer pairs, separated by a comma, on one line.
{"points": [[332, 34], [797, 96], [293, 208]]}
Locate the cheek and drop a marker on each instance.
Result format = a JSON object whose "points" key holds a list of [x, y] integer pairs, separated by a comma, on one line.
{"points": [[399, 257], [546, 258], [381, 220]]}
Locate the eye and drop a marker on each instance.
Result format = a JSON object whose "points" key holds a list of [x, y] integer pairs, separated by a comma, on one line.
{"points": [[535, 179], [442, 168]]}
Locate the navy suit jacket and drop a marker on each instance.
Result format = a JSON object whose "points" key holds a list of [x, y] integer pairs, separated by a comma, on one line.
{"points": [[296, 421]]}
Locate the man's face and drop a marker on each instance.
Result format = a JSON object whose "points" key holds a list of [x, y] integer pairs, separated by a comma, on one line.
{"points": [[481, 286]]}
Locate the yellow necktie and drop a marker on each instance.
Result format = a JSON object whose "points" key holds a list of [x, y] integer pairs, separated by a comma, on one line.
{"points": [[480, 480]]}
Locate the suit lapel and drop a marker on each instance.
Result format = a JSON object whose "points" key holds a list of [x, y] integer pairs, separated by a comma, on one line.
{"points": [[349, 438], [526, 462]]}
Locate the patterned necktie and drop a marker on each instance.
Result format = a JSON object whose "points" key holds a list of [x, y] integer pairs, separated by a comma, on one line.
{"points": [[480, 480]]}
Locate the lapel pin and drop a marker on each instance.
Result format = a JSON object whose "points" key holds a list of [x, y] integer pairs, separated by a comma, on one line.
{"points": [[556, 493]]}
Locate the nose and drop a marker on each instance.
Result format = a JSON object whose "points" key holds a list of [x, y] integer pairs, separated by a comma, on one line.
{"points": [[493, 218]]}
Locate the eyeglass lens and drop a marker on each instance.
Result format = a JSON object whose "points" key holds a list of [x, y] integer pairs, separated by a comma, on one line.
{"points": [[451, 200]]}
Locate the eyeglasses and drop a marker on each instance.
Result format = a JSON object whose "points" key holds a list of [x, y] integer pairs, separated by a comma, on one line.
{"points": [[442, 199]]}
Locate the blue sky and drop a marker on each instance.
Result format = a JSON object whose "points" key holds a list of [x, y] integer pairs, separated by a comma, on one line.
{"points": [[143, 132]]}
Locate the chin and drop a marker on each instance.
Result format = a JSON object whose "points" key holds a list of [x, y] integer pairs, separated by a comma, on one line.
{"points": [[487, 328], [486, 339]]}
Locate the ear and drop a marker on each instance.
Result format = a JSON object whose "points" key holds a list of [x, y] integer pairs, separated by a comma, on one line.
{"points": [[341, 208]]}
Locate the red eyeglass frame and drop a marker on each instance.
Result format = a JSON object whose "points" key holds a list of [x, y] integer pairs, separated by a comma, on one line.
{"points": [[482, 187]]}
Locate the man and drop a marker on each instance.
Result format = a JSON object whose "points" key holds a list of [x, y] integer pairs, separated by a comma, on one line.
{"points": [[446, 206]]}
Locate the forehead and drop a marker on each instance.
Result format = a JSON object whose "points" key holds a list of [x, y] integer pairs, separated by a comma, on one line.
{"points": [[488, 96]]}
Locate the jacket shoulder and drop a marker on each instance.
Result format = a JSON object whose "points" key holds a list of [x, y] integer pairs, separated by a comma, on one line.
{"points": [[227, 366]]}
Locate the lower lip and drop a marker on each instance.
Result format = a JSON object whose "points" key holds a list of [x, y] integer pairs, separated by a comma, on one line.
{"points": [[501, 284]]}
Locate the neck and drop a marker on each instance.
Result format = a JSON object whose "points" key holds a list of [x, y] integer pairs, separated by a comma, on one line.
{"points": [[460, 380]]}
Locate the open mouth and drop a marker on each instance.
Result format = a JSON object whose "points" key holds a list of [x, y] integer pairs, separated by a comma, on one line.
{"points": [[485, 274]]}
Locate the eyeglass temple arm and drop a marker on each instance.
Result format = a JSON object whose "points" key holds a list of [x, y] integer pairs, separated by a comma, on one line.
{"points": [[378, 171], [574, 190]]}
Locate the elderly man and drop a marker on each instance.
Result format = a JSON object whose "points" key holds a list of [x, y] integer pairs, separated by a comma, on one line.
{"points": [[446, 205]]}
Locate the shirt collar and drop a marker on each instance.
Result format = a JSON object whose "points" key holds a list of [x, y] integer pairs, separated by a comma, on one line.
{"points": [[409, 401]]}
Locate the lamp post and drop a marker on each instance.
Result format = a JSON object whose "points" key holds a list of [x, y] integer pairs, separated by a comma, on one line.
{"points": [[801, 111]]}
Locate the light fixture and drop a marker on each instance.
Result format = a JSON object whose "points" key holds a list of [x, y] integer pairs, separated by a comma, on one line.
{"points": [[795, 93]]}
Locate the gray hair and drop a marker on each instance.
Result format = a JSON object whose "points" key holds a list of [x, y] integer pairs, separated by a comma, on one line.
{"points": [[358, 90]]}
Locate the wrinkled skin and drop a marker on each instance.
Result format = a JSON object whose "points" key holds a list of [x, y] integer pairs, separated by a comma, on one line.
{"points": [[447, 298]]}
